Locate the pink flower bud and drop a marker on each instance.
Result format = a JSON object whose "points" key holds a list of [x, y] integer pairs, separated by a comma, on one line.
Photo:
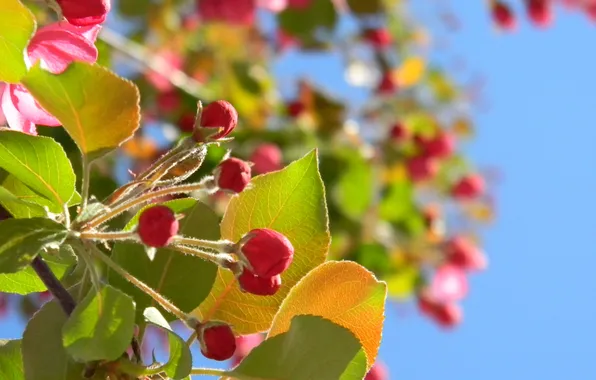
{"points": [[157, 226], [233, 175], [260, 286], [540, 12], [445, 314], [449, 284], [217, 340], [266, 158], [440, 146], [219, 114], [377, 372], [502, 16], [236, 12], [84, 12], [422, 168], [462, 252], [267, 252], [469, 187], [244, 345]]}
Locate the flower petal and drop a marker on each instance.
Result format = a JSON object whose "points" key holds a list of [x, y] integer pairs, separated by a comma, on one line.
{"points": [[449, 284], [29, 108], [57, 45], [15, 120]]}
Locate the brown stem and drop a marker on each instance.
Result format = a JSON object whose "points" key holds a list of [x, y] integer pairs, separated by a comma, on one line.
{"points": [[53, 284]]}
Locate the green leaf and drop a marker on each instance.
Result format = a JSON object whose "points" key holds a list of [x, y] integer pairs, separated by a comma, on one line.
{"points": [[19, 207], [404, 282], [22, 239], [367, 7], [304, 23], [27, 281], [44, 356], [398, 203], [30, 204], [97, 108], [40, 163], [357, 368], [17, 26], [184, 280], [101, 326], [291, 201], [11, 360], [353, 192], [179, 363], [313, 348]]}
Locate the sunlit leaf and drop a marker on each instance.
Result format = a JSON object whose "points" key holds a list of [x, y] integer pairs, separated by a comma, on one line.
{"points": [[290, 201], [411, 71], [17, 26], [40, 163], [343, 292], [99, 109]]}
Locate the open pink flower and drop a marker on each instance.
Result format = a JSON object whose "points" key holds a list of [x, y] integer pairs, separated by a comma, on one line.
{"points": [[54, 46]]}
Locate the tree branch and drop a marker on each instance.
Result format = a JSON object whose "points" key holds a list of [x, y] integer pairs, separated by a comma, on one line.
{"points": [[53, 284]]}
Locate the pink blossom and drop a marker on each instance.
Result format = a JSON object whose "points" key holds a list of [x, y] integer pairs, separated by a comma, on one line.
{"points": [[449, 284], [54, 46], [170, 62], [273, 5]]}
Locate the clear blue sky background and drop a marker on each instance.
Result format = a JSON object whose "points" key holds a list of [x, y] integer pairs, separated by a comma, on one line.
{"points": [[532, 314]]}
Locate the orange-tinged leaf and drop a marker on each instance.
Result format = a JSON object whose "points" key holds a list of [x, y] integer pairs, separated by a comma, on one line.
{"points": [[410, 72], [98, 109], [344, 292], [291, 201], [140, 147]]}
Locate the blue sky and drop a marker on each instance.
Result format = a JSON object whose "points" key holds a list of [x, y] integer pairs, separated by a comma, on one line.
{"points": [[531, 315]]}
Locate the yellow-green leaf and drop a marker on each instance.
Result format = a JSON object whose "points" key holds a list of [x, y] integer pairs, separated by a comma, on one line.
{"points": [[17, 26], [344, 292], [291, 201], [97, 108]]}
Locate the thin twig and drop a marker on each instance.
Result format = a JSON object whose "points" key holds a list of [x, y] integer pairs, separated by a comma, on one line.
{"points": [[141, 285], [207, 371]]}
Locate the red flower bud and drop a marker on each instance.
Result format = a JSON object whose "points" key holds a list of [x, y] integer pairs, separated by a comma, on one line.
{"points": [[186, 122], [217, 340], [462, 252], [232, 174], [267, 252], [440, 146], [468, 187], [379, 38], [502, 16], [266, 158], [377, 372], [168, 101], [399, 132], [236, 12], [84, 12], [219, 114], [422, 168], [260, 286], [539, 11], [157, 226], [295, 108], [387, 85]]}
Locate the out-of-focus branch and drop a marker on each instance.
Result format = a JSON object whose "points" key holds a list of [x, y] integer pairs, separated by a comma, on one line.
{"points": [[145, 58]]}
